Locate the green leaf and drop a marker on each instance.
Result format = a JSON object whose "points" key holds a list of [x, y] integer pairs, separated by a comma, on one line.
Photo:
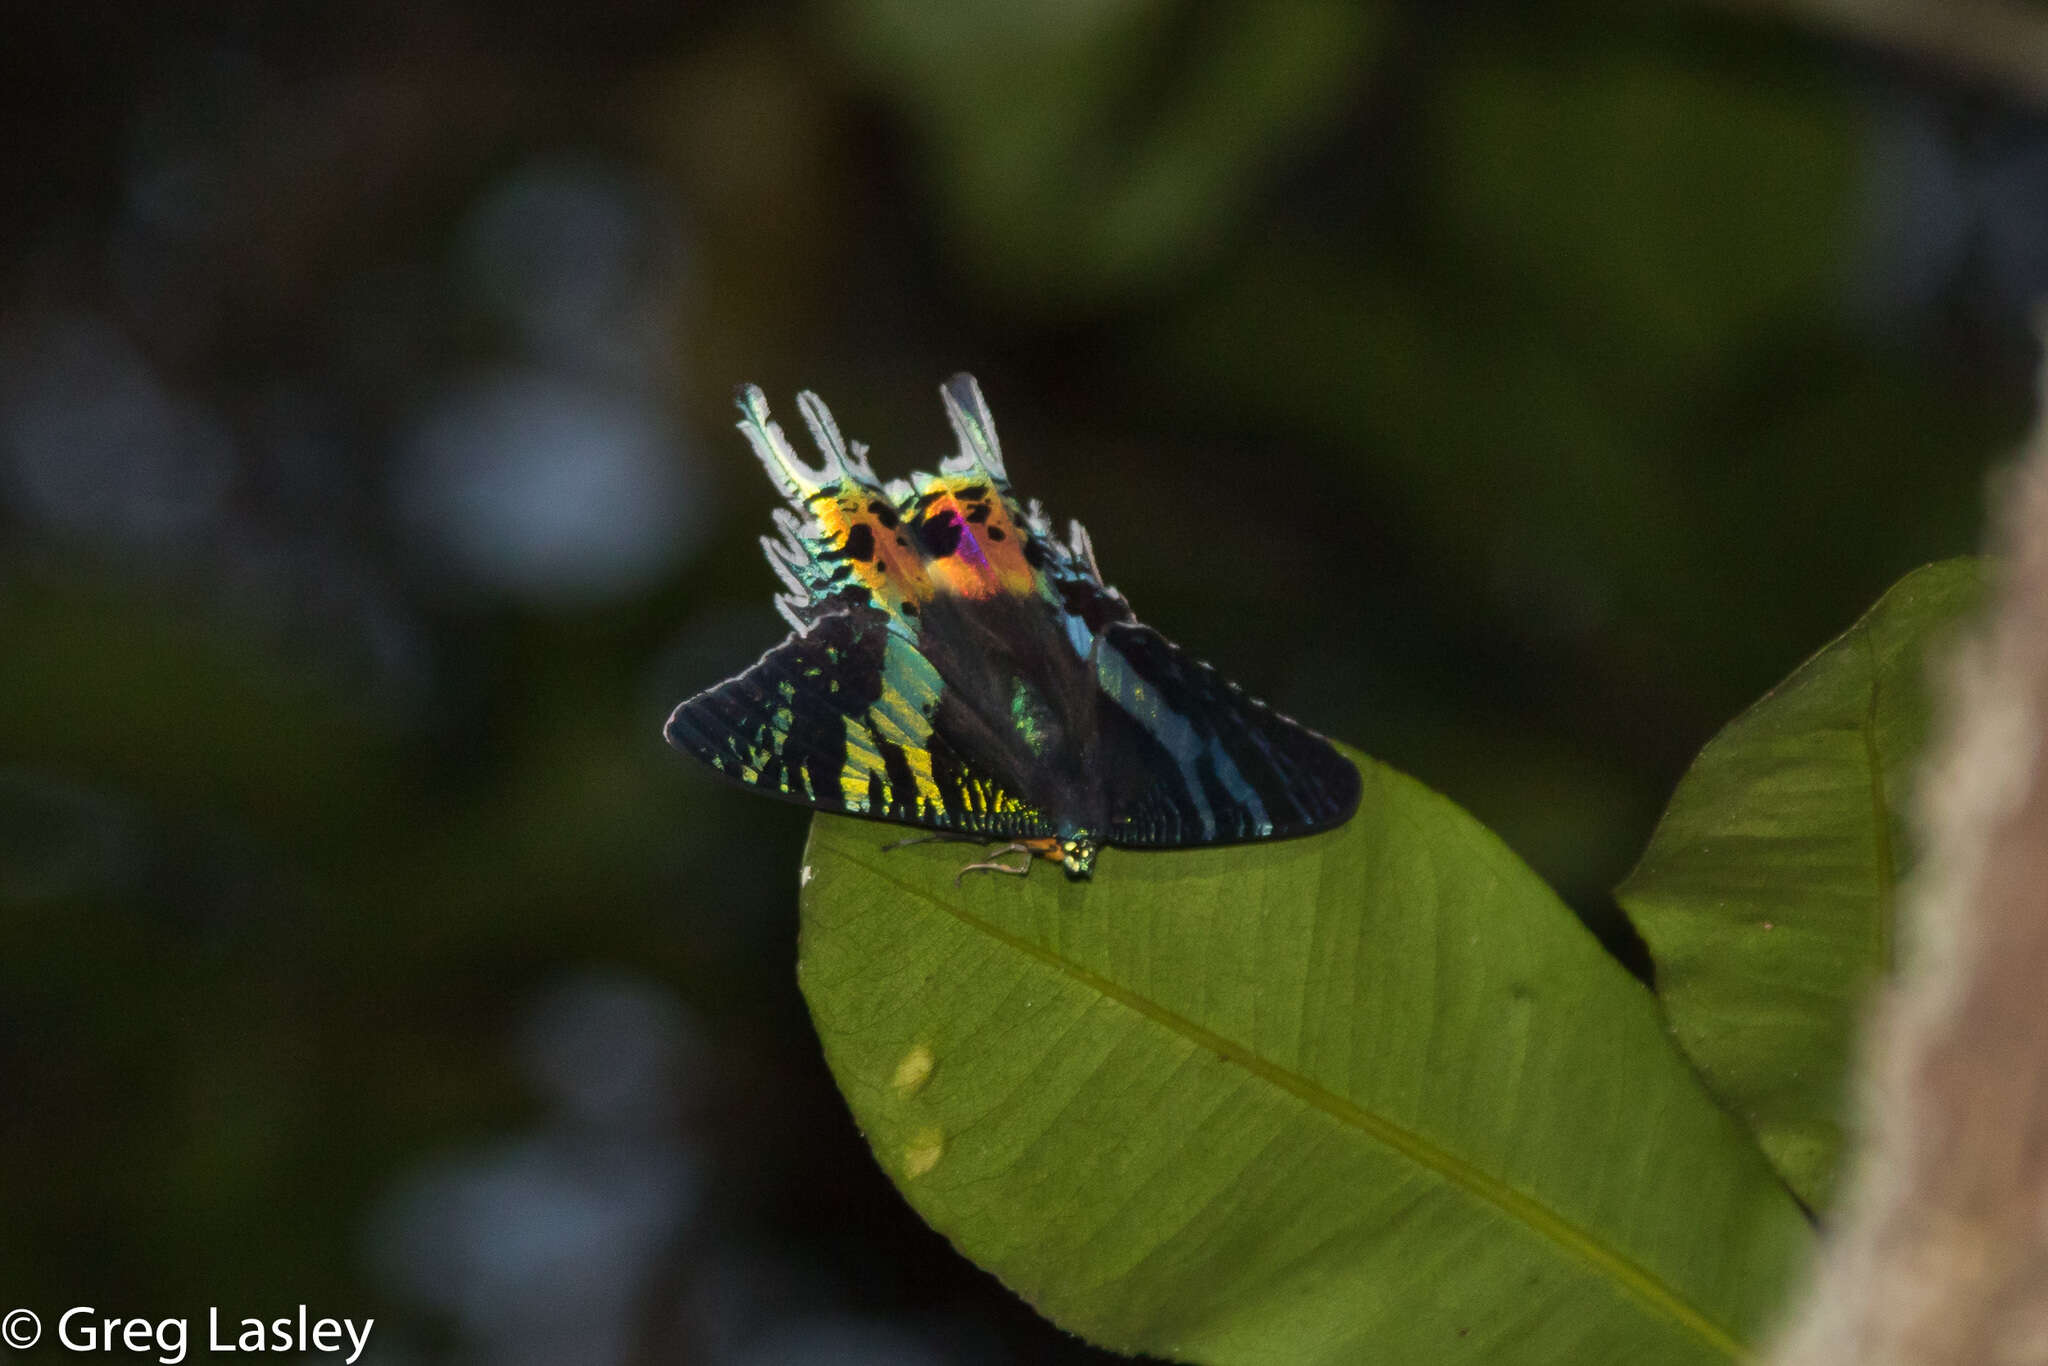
{"points": [[1766, 892], [1374, 1095]]}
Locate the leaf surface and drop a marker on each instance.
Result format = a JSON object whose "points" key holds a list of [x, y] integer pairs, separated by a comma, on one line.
{"points": [[1766, 894], [1370, 1096]]}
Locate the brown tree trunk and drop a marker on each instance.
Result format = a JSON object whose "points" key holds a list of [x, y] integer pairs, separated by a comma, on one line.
{"points": [[1940, 1257]]}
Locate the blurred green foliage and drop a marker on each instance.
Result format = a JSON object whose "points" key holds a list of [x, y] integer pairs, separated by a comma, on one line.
{"points": [[1083, 154]]}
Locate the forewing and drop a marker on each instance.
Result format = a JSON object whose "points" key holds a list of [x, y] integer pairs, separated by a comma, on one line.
{"points": [[840, 717], [1188, 758]]}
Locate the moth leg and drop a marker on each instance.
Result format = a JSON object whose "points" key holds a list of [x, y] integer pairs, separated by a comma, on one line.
{"points": [[994, 863], [1045, 847]]}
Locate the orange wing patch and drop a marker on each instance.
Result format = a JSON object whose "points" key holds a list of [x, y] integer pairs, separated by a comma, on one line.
{"points": [[870, 541], [899, 544], [971, 538]]}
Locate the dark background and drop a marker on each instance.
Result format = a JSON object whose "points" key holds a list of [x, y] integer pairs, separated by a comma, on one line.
{"points": [[1516, 394]]}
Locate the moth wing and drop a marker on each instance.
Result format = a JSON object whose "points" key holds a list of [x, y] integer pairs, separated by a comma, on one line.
{"points": [[1188, 758], [838, 717]]}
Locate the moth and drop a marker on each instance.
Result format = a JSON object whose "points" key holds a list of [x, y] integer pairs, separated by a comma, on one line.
{"points": [[954, 665]]}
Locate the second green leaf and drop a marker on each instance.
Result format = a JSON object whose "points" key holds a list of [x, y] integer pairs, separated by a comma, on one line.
{"points": [[1767, 893]]}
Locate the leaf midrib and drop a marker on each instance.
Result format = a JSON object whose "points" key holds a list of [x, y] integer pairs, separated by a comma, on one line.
{"points": [[1636, 1280]]}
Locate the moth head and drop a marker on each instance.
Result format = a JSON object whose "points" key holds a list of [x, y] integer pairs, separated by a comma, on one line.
{"points": [[1077, 855]]}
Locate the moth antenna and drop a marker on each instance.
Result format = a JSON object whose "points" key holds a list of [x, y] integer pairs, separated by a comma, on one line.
{"points": [[1077, 537], [968, 411], [796, 479], [839, 457]]}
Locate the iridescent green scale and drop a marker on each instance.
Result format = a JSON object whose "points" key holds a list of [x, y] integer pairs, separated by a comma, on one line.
{"points": [[956, 666]]}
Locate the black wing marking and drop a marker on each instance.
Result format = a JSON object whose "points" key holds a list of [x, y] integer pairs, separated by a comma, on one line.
{"points": [[1188, 759], [837, 717]]}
